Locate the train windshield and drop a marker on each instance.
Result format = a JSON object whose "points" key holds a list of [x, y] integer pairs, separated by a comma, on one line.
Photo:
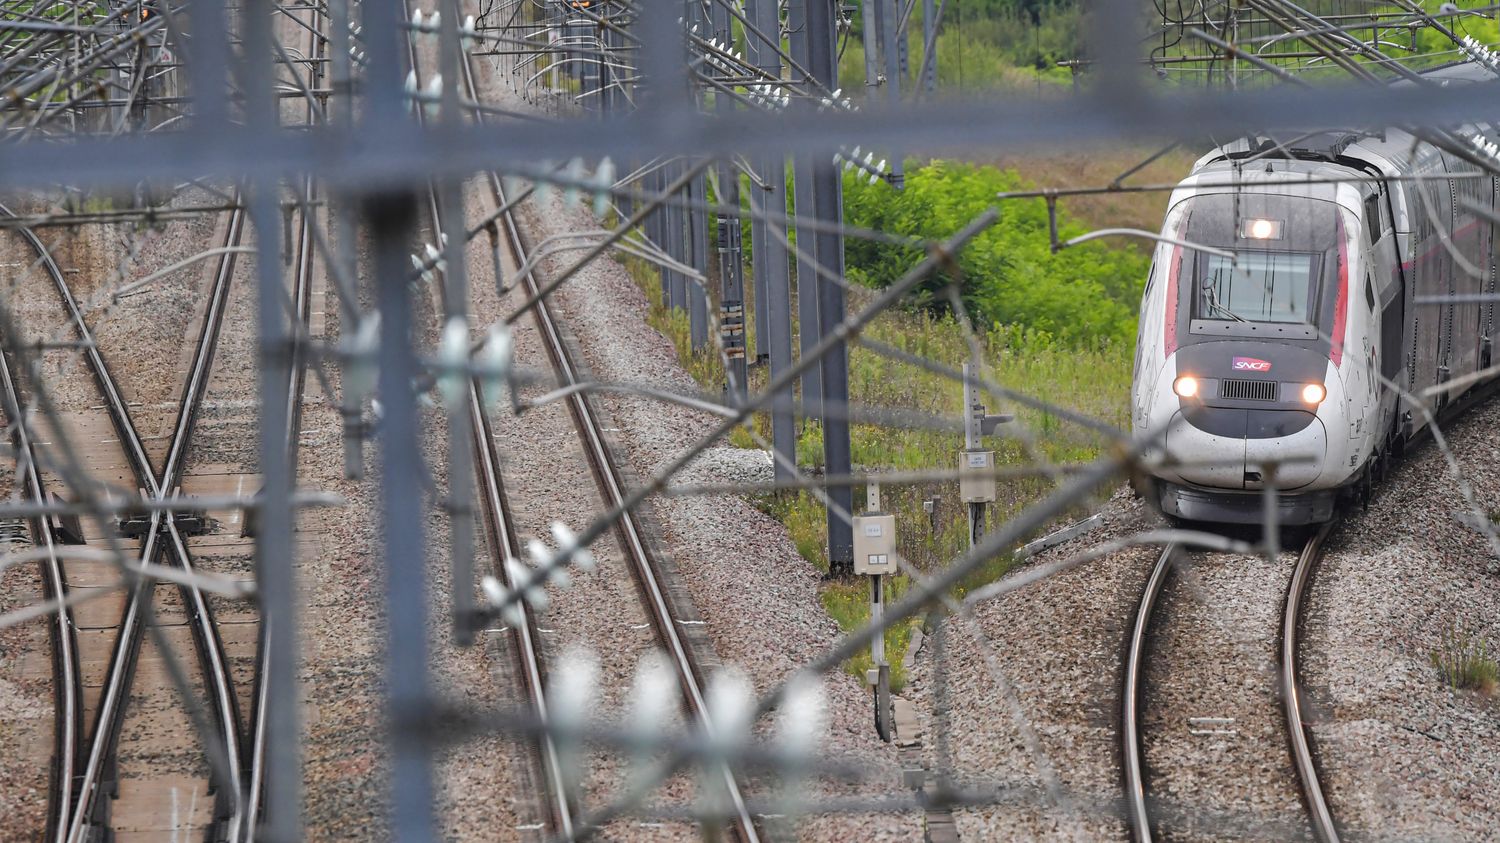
{"points": [[1263, 287], [1286, 252]]}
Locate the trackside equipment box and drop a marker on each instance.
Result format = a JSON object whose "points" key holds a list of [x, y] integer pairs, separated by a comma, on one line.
{"points": [[874, 544], [976, 476]]}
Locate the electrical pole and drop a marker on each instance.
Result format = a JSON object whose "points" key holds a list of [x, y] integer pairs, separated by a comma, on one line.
{"points": [[676, 245], [887, 20], [929, 46], [731, 246], [828, 210], [807, 241], [697, 249], [666, 96], [773, 288], [869, 14], [697, 220]]}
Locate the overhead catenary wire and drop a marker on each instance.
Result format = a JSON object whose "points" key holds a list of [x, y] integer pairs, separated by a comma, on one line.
{"points": [[362, 168]]}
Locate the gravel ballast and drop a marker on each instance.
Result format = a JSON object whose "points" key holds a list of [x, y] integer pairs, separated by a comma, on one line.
{"points": [[1033, 705], [1404, 756], [756, 597]]}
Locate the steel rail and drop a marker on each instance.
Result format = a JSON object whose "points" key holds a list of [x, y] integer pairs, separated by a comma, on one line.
{"points": [[109, 718], [505, 543], [301, 303], [1323, 826], [1130, 700], [1137, 810], [206, 639], [68, 722], [611, 485], [302, 313]]}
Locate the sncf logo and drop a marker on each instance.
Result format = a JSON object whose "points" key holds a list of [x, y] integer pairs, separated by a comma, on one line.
{"points": [[1251, 364]]}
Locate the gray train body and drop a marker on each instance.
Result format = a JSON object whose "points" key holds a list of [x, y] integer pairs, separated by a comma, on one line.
{"points": [[1307, 361]]}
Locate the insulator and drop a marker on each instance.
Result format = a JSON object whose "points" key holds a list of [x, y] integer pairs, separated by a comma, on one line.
{"points": [[495, 361]]}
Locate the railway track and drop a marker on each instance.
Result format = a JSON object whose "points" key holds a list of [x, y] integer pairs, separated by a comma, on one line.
{"points": [[66, 678], [83, 798], [505, 543], [1321, 818], [643, 565], [99, 772], [1146, 814], [301, 300]]}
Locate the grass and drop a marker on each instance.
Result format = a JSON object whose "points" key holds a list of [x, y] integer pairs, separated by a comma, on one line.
{"points": [[1092, 381], [1465, 661]]}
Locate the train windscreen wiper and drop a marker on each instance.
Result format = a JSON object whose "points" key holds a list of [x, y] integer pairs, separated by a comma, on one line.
{"points": [[1212, 298]]}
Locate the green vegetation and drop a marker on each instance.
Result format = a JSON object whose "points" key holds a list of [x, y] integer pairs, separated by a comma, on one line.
{"points": [[1015, 45], [1008, 275], [1465, 660], [987, 45], [1060, 327]]}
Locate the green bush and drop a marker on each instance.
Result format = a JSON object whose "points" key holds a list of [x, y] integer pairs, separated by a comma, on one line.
{"points": [[986, 45], [1007, 275]]}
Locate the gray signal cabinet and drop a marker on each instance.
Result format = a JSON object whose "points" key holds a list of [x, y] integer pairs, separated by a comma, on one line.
{"points": [[874, 544], [976, 476]]}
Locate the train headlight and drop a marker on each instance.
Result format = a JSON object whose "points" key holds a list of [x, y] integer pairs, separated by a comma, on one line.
{"points": [[1260, 229], [1185, 386], [1314, 393]]}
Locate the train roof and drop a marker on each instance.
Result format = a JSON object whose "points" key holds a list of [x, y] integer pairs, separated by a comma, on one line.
{"points": [[1314, 179], [1459, 71], [1389, 150]]}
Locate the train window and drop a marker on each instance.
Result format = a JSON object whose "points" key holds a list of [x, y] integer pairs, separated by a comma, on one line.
{"points": [[1264, 287], [1372, 218]]}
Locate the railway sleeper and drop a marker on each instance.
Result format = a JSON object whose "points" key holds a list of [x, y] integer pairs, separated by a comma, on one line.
{"points": [[13, 531]]}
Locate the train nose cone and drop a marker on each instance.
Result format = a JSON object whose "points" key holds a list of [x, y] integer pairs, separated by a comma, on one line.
{"points": [[1235, 449], [1206, 458], [1297, 458]]}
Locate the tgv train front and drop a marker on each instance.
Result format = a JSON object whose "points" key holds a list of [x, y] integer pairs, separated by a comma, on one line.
{"points": [[1239, 369]]}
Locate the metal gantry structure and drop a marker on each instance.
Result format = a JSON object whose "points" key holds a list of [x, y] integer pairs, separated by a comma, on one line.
{"points": [[685, 122]]}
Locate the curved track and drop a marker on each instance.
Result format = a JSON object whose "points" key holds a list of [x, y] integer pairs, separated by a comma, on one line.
{"points": [[68, 723], [611, 485], [1291, 697], [1130, 699], [1142, 823]]}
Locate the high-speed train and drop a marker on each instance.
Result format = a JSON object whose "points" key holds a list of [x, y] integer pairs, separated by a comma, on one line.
{"points": [[1285, 337]]}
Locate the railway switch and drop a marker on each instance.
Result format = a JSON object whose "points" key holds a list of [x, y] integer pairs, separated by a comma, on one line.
{"points": [[189, 522], [66, 527]]}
